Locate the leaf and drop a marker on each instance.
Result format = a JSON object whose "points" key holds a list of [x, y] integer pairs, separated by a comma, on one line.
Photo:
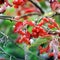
{"points": [[40, 41]]}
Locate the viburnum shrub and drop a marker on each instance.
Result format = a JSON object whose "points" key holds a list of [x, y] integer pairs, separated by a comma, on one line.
{"points": [[30, 31]]}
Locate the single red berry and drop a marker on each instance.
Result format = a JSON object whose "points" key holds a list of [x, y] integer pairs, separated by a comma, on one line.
{"points": [[18, 26], [19, 2], [47, 48], [45, 19], [51, 26], [21, 32], [28, 10], [34, 34], [40, 47], [42, 51], [41, 23], [34, 29], [27, 34], [18, 40], [31, 23], [51, 54], [16, 6], [26, 40]]}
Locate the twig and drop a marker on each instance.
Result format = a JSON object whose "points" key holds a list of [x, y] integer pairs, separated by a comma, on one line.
{"points": [[29, 14], [37, 6], [4, 34], [13, 18]]}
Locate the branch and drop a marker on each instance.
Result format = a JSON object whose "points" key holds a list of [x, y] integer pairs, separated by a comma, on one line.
{"points": [[37, 6], [4, 34], [13, 18], [30, 14]]}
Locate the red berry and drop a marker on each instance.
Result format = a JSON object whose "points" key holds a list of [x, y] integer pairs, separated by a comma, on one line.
{"points": [[27, 34], [45, 19], [47, 48], [40, 48], [42, 51], [18, 26], [15, 6], [34, 34], [28, 10], [31, 23], [19, 2], [21, 32], [19, 40], [51, 26], [41, 23], [51, 54], [26, 40]]}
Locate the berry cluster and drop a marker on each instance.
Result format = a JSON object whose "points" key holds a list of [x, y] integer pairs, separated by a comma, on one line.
{"points": [[42, 50], [46, 50], [19, 2], [37, 30], [19, 28], [22, 8], [51, 23]]}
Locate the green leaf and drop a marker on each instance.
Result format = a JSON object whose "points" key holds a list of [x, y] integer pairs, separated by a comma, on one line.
{"points": [[40, 41]]}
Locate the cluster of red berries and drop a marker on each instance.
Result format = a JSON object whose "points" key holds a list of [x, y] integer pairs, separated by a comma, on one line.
{"points": [[42, 50], [51, 23], [25, 34], [24, 39], [52, 54], [47, 49], [22, 8], [20, 25], [19, 2], [37, 30]]}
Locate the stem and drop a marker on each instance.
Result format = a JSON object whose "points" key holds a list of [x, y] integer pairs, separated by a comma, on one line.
{"points": [[30, 14], [13, 18], [4, 34], [37, 6]]}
